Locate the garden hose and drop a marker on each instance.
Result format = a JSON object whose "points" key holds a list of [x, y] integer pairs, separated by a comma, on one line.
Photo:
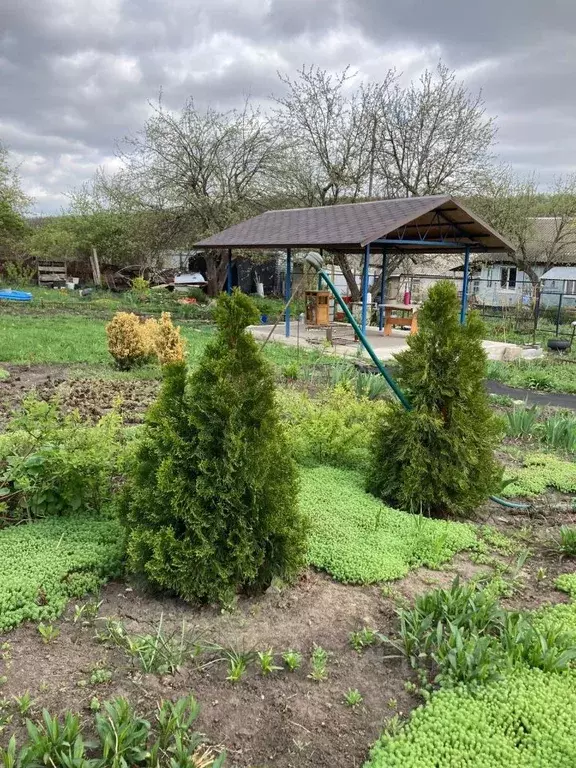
{"points": [[316, 261]]}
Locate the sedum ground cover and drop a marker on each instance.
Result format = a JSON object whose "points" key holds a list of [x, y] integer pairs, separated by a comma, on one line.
{"points": [[44, 564], [524, 720], [541, 471], [357, 539]]}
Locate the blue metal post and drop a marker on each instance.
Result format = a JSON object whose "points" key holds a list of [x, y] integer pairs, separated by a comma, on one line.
{"points": [[288, 289], [382, 289], [319, 275], [465, 285], [365, 284], [229, 273]]}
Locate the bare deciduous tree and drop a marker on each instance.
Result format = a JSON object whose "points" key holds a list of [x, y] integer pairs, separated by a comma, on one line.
{"points": [[207, 170], [327, 126], [432, 137]]}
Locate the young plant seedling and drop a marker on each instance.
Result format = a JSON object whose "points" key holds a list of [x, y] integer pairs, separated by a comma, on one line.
{"points": [[318, 660], [541, 574], [95, 704], [24, 703], [266, 659], [292, 659], [236, 669], [100, 676], [86, 613], [48, 632], [362, 639], [353, 698]]}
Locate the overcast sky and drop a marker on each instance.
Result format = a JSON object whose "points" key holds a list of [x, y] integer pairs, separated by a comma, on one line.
{"points": [[75, 75]]}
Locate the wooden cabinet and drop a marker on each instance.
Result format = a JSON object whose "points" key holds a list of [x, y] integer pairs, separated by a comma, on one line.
{"points": [[317, 308]]}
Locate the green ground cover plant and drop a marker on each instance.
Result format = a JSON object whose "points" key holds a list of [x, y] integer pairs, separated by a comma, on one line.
{"points": [[522, 721], [335, 428], [438, 457], [539, 472], [567, 583], [210, 503], [54, 464], [44, 564], [546, 374], [522, 718], [357, 539]]}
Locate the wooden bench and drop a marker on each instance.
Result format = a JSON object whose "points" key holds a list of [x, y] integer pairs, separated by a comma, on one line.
{"points": [[396, 313]]}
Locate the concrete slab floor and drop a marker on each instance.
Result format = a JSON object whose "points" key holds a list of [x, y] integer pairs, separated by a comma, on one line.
{"points": [[385, 346]]}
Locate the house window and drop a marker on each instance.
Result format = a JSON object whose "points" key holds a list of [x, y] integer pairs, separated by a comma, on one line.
{"points": [[508, 278], [571, 287], [489, 278]]}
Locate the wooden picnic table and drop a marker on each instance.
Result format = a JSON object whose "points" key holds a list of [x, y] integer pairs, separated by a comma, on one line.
{"points": [[396, 313]]}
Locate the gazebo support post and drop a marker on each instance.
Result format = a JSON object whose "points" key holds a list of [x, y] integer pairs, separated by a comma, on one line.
{"points": [[288, 290], [465, 285], [365, 284], [229, 273], [382, 289]]}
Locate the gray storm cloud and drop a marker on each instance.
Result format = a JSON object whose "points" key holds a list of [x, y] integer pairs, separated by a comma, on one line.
{"points": [[76, 75]]}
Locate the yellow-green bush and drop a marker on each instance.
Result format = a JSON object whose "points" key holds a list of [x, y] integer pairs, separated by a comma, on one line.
{"points": [[130, 339], [168, 343]]}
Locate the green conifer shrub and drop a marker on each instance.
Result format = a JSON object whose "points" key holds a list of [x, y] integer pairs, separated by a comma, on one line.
{"points": [[211, 497], [439, 457]]}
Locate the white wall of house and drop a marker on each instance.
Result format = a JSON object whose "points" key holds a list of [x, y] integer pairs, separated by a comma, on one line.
{"points": [[504, 285]]}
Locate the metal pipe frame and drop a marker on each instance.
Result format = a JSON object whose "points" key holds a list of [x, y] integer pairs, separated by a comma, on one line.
{"points": [[464, 304], [365, 286], [288, 291], [382, 290]]}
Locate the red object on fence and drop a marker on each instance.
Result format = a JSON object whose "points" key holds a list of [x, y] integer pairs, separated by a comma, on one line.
{"points": [[407, 297]]}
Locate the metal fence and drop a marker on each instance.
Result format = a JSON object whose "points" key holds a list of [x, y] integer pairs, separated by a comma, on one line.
{"points": [[511, 308]]}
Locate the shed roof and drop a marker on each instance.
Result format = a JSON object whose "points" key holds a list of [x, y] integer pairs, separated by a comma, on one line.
{"points": [[350, 227], [560, 273]]}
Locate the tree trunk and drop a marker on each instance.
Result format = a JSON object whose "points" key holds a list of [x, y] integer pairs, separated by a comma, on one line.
{"points": [[342, 261], [537, 288], [216, 267]]}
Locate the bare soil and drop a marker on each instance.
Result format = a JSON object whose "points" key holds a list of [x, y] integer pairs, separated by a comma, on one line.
{"points": [[282, 720], [92, 397]]}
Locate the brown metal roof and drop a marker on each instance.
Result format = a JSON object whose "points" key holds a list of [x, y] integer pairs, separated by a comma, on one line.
{"points": [[350, 227]]}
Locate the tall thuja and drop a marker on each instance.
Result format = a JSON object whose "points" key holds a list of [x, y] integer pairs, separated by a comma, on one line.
{"points": [[210, 502], [439, 456]]}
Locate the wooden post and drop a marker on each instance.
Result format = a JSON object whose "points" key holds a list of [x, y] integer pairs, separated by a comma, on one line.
{"points": [[95, 264]]}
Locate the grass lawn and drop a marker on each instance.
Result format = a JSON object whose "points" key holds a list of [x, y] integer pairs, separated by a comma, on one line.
{"points": [[547, 374], [69, 339]]}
